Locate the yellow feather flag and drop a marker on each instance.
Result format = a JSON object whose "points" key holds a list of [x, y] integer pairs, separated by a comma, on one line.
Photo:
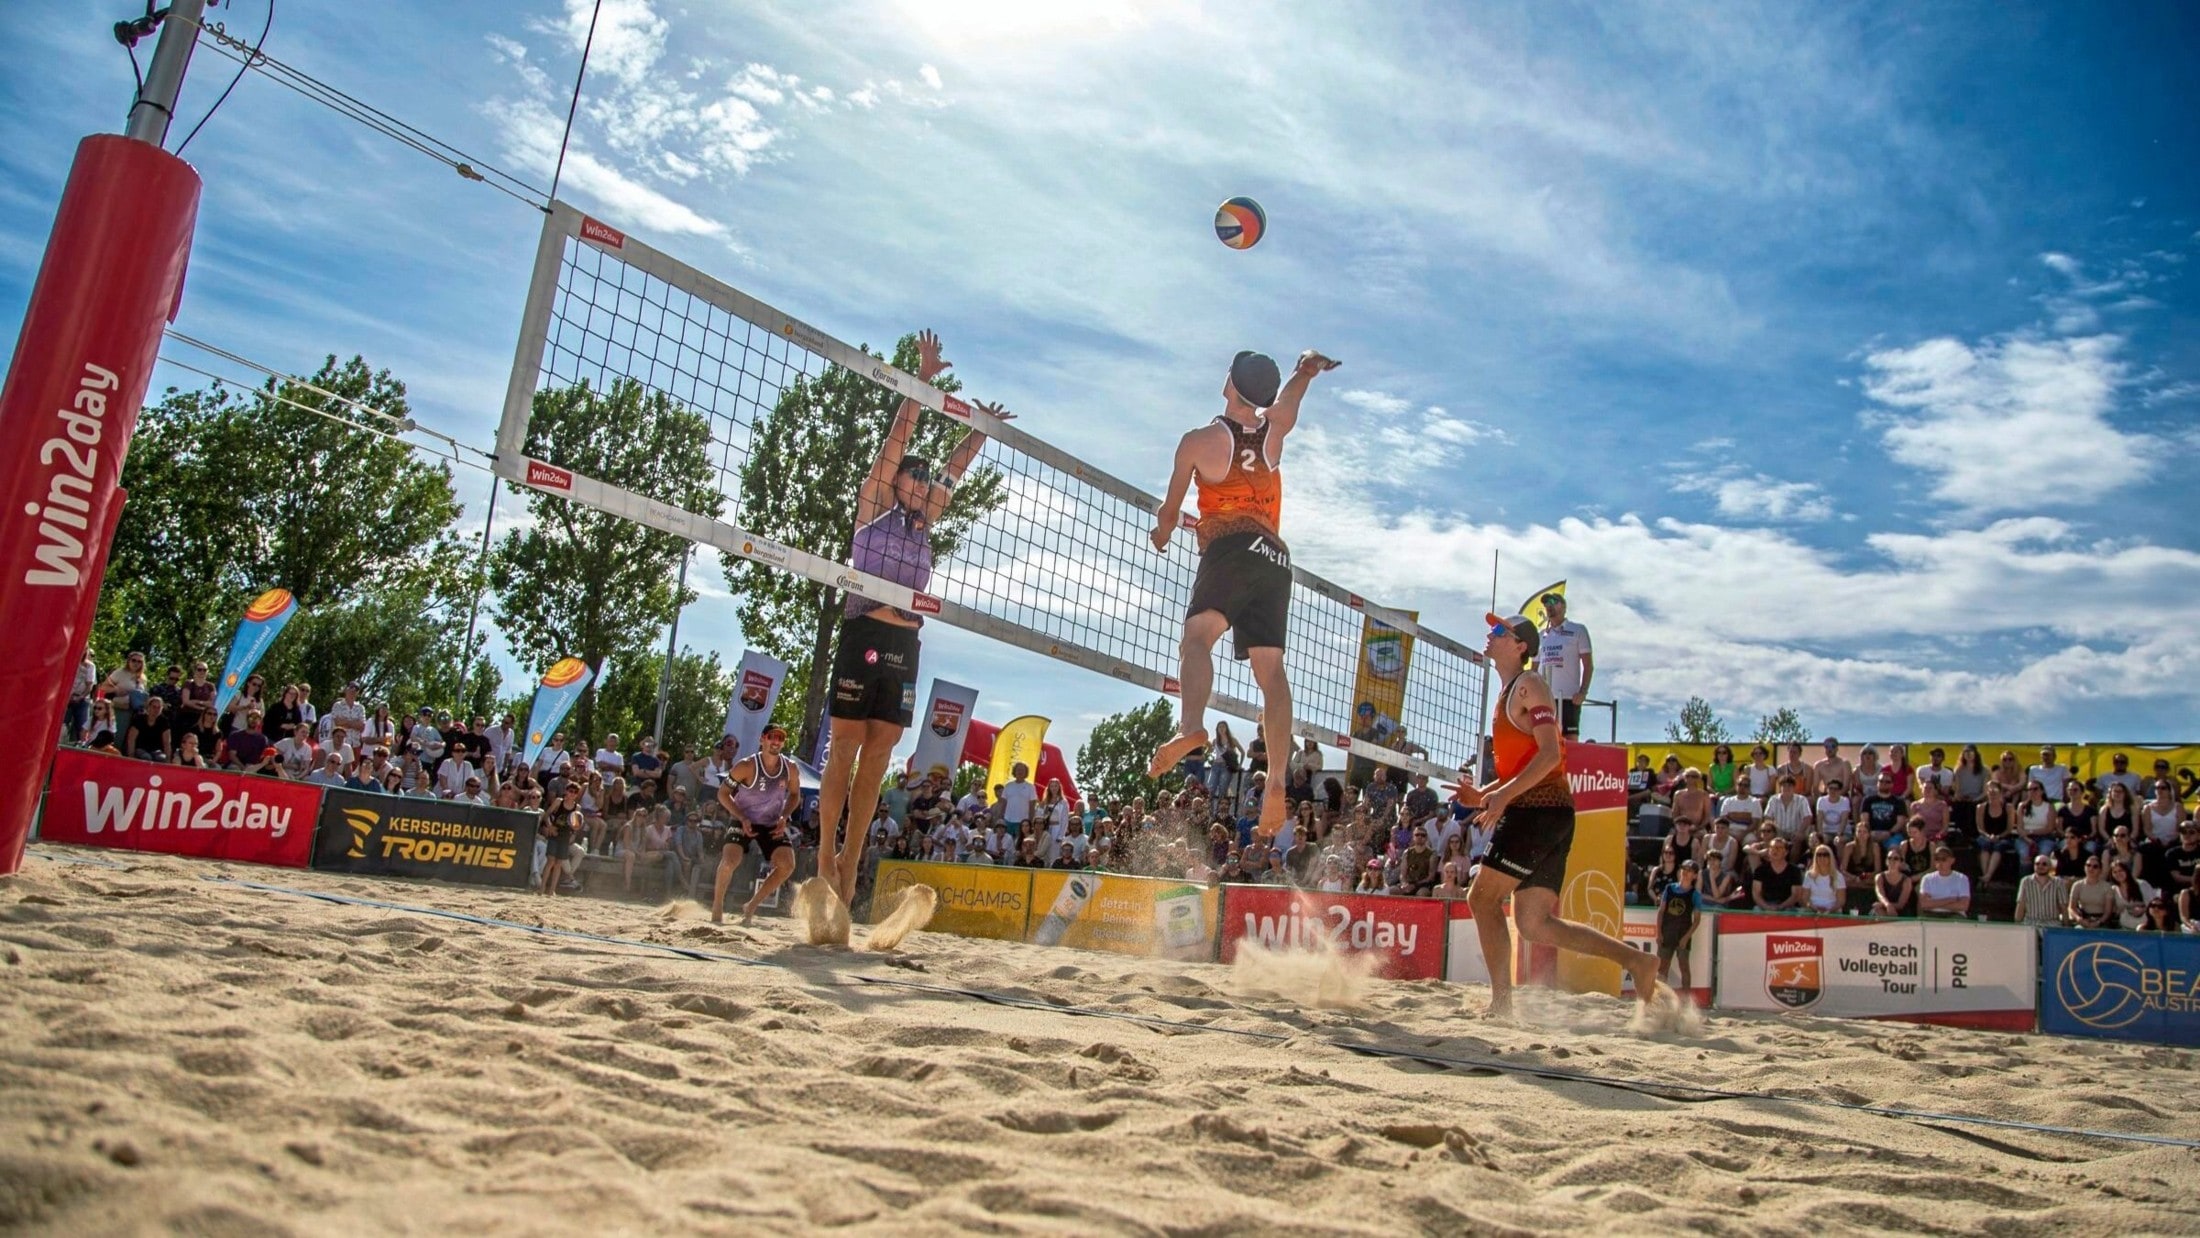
{"points": [[1533, 609], [1021, 740]]}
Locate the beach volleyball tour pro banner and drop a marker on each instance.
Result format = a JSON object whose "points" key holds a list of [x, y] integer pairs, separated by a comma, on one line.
{"points": [[102, 801], [1405, 936], [392, 836], [1146, 916], [976, 900], [757, 681], [944, 728], [1953, 972], [2121, 986]]}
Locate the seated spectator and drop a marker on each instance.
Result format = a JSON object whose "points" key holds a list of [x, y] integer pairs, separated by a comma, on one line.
{"points": [[2160, 917], [1451, 882], [645, 769], [1789, 811], [453, 771], [1371, 876], [2070, 858], [2042, 898], [1741, 809], [425, 740], [187, 751], [1882, 811], [295, 753], [329, 773], [1894, 891], [2093, 902], [1917, 852], [471, 793], [1417, 866], [1996, 832], [2050, 774], [2136, 894], [1931, 808], [149, 737], [1944, 892], [1664, 873], [2164, 813], [2035, 821], [1776, 885], [1824, 890], [247, 749], [1722, 888]]}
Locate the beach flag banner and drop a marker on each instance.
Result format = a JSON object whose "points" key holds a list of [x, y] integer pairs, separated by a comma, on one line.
{"points": [[1024, 741], [561, 685], [263, 621], [1380, 683], [946, 725], [757, 681]]}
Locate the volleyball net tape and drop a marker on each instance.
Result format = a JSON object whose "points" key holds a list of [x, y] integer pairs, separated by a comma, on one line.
{"points": [[1062, 567]]}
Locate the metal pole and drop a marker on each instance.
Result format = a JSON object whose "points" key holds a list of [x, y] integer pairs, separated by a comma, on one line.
{"points": [[473, 611], [155, 108], [672, 640]]}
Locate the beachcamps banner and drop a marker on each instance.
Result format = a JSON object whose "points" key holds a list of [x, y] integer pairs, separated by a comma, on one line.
{"points": [[1406, 935], [2121, 986], [757, 681], [561, 685], [1925, 971], [1127, 915], [976, 900], [361, 832], [1380, 683], [103, 801], [1023, 740], [945, 724], [1642, 934], [263, 620]]}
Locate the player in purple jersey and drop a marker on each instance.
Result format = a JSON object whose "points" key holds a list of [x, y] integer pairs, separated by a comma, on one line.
{"points": [[761, 792], [874, 673]]}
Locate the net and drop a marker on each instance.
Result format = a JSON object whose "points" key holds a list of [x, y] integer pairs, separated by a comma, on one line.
{"points": [[1062, 567]]}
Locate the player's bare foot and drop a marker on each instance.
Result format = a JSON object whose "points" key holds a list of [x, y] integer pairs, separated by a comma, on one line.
{"points": [[1166, 757], [748, 913], [717, 914], [1274, 811], [1647, 984]]}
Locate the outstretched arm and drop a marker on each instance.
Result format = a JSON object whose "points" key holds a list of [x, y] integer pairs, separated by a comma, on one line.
{"points": [[878, 487], [959, 462], [1284, 413]]}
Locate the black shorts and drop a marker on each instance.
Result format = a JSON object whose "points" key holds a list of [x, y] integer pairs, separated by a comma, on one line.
{"points": [[1667, 949], [1569, 718], [765, 838], [1531, 845], [875, 672], [1247, 578]]}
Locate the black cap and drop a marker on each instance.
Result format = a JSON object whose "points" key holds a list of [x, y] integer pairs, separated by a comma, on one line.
{"points": [[1256, 378]]}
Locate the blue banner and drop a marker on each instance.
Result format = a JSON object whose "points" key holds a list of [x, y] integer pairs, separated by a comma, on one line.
{"points": [[2121, 986], [262, 622], [561, 685]]}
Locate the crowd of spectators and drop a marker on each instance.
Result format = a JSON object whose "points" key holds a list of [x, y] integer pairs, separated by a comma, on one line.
{"points": [[1886, 836], [1880, 836]]}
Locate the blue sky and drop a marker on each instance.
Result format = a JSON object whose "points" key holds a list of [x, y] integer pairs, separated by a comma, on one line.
{"points": [[1843, 357]]}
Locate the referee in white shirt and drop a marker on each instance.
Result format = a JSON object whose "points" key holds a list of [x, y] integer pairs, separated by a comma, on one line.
{"points": [[1564, 661]]}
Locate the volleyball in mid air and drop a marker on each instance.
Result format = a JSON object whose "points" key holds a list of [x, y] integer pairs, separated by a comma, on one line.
{"points": [[1240, 222]]}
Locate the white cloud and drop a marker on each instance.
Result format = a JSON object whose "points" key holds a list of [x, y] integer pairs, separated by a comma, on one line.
{"points": [[2013, 424], [930, 75], [629, 37], [1379, 402], [1756, 496]]}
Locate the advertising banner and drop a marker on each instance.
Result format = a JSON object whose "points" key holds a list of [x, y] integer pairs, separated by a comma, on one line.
{"points": [[112, 274], [943, 727], [1020, 741], [2184, 764], [1642, 934], [561, 685], [976, 900], [263, 621], [1952, 972], [384, 835], [103, 801], [1126, 915], [1380, 683], [1463, 961], [1596, 868], [2121, 986], [1406, 935], [757, 681]]}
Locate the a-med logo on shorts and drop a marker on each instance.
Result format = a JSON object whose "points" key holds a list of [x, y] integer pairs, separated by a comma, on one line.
{"points": [[870, 657], [947, 718], [1794, 970], [756, 691]]}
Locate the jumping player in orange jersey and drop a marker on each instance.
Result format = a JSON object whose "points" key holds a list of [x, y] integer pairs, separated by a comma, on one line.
{"points": [[1244, 581], [1533, 808]]}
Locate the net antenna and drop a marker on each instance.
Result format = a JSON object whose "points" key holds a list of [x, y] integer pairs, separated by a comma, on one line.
{"points": [[1061, 568]]}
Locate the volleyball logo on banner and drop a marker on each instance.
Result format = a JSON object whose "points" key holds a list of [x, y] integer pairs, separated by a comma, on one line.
{"points": [[1380, 683], [946, 727], [755, 694]]}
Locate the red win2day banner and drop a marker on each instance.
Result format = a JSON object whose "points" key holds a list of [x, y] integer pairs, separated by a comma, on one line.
{"points": [[103, 801], [1406, 935]]}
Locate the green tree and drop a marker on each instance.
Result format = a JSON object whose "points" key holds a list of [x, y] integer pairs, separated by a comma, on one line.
{"points": [[585, 583], [1111, 765], [1698, 725], [1782, 726], [233, 494], [695, 705], [798, 487]]}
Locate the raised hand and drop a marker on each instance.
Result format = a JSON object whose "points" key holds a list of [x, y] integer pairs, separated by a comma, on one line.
{"points": [[1312, 363], [929, 362], [994, 410]]}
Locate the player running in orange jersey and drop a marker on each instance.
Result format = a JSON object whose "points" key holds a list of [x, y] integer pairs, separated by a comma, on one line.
{"points": [[1533, 808], [1244, 581]]}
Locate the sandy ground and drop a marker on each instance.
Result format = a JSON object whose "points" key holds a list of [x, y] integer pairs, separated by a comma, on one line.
{"points": [[180, 1055]]}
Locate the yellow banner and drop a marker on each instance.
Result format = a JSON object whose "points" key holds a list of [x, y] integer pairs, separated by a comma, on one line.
{"points": [[2184, 763], [1596, 867], [1380, 685], [976, 900], [1124, 915], [1021, 740]]}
